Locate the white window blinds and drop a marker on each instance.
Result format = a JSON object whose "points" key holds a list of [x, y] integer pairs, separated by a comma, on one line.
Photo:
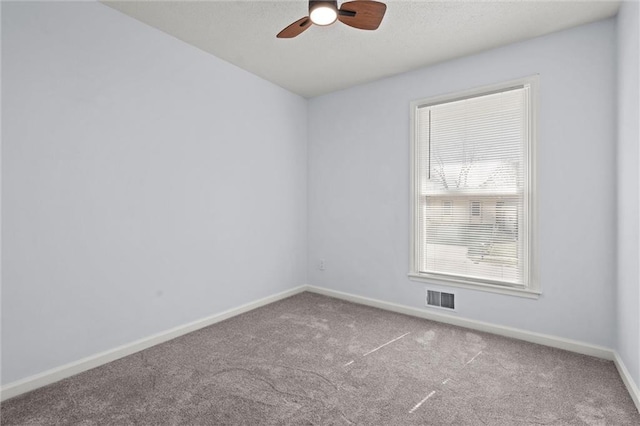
{"points": [[471, 187]]}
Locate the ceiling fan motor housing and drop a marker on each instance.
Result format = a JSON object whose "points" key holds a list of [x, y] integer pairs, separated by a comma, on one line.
{"points": [[323, 12], [313, 4]]}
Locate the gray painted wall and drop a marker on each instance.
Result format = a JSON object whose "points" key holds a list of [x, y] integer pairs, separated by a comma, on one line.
{"points": [[359, 183], [628, 312], [146, 184]]}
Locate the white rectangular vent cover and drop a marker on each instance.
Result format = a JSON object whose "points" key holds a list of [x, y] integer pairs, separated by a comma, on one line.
{"points": [[440, 299]]}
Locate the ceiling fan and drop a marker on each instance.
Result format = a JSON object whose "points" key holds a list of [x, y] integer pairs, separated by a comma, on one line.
{"points": [[361, 14]]}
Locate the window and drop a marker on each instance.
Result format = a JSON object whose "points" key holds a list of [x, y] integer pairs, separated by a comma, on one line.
{"points": [[475, 208], [446, 208], [475, 149]]}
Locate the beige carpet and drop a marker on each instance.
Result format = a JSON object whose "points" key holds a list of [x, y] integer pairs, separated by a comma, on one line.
{"points": [[313, 360]]}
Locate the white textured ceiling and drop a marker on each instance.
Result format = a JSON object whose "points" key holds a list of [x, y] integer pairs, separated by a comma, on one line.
{"points": [[413, 34]]}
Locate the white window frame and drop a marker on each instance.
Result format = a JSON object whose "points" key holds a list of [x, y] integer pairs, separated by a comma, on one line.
{"points": [[531, 288]]}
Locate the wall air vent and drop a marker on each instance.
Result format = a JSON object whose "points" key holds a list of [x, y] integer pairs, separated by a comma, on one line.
{"points": [[440, 299]]}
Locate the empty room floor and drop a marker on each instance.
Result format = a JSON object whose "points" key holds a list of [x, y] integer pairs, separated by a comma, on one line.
{"points": [[315, 360]]}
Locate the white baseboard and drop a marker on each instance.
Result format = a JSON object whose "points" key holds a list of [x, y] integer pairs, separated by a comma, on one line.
{"points": [[50, 376], [628, 381], [528, 336]]}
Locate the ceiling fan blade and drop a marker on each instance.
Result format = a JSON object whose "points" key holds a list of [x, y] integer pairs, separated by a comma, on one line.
{"points": [[296, 28], [362, 14]]}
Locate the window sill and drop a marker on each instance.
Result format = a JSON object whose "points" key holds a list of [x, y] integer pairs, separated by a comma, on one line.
{"points": [[492, 288]]}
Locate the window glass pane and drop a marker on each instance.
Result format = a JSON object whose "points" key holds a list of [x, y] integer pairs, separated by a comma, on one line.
{"points": [[472, 176]]}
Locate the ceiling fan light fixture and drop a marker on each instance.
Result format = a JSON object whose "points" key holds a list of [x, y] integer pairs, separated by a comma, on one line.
{"points": [[360, 14], [323, 12]]}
